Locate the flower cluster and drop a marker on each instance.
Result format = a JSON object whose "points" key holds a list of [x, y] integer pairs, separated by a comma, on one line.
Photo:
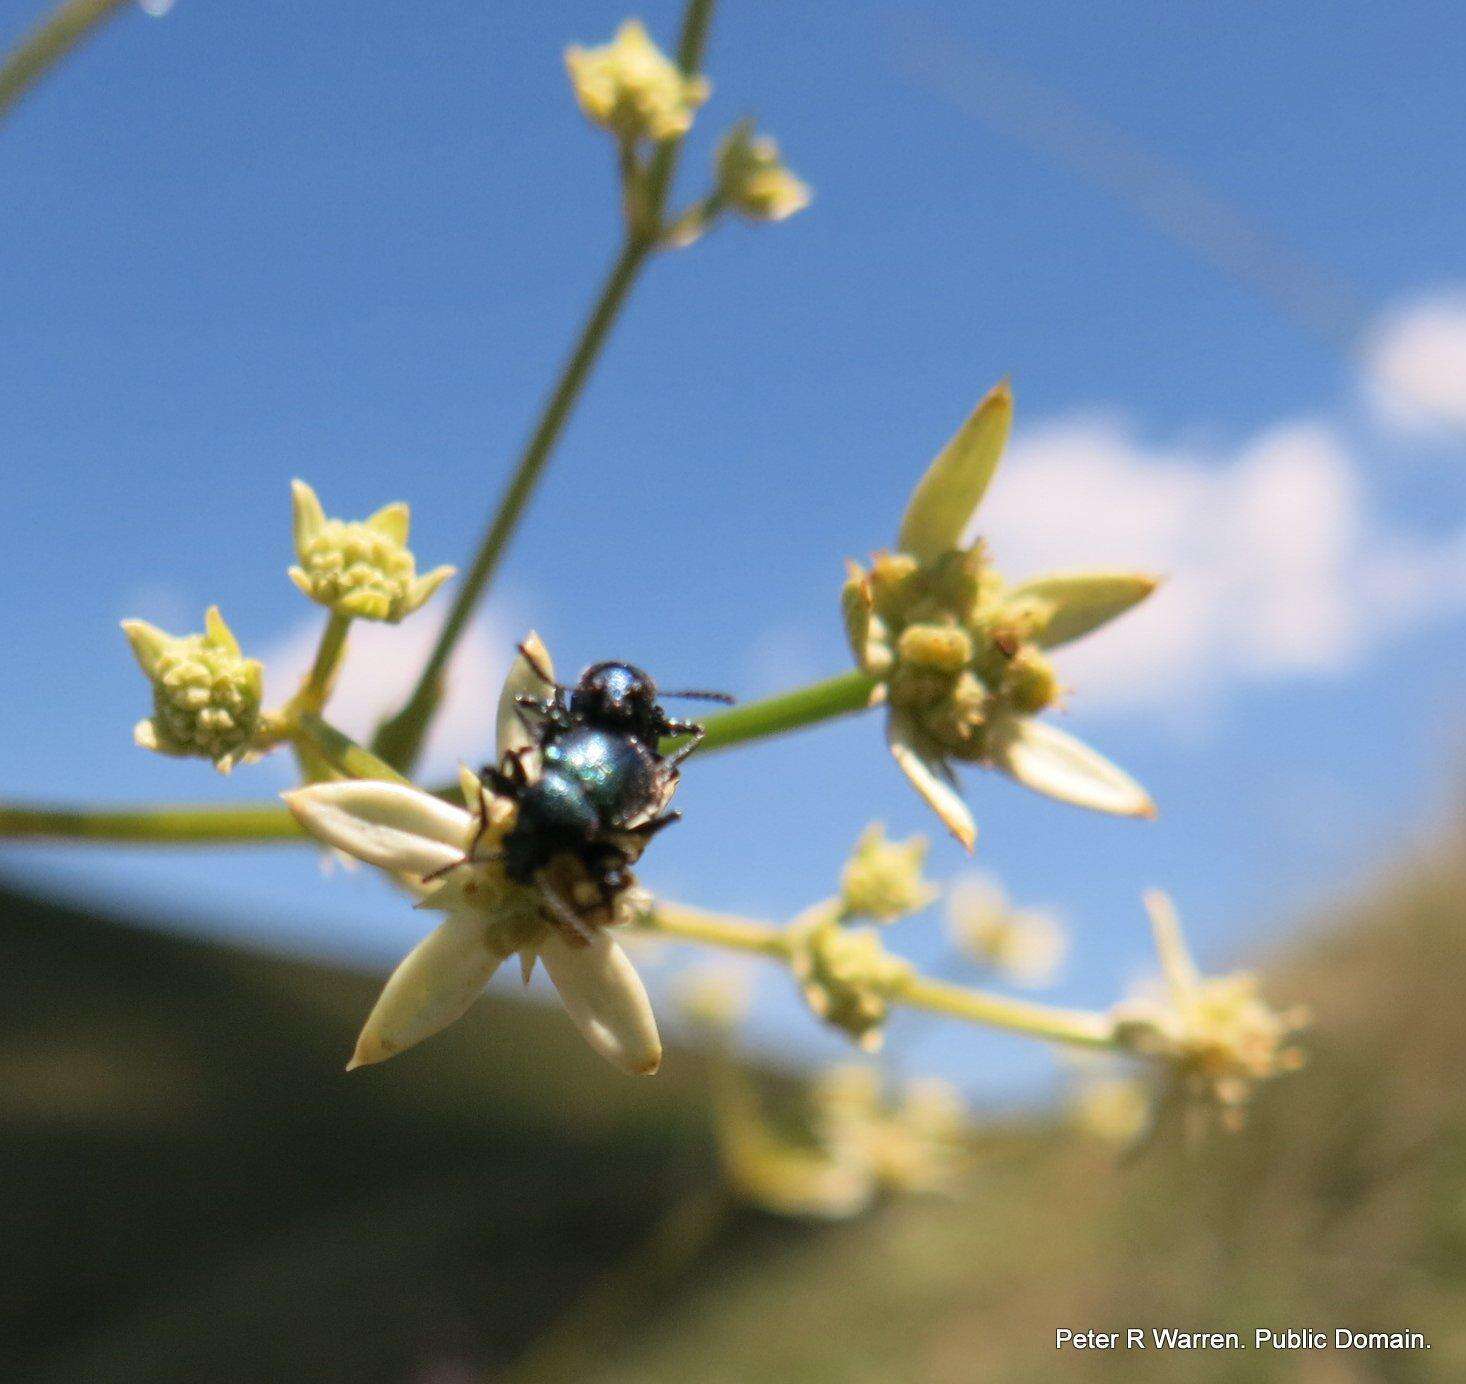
{"points": [[631, 88], [360, 569], [962, 657], [752, 179], [1215, 1034], [206, 694], [882, 880], [453, 859], [845, 974], [1025, 945], [856, 1145]]}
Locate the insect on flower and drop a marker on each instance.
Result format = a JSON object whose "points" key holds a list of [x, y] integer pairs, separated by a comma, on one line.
{"points": [[590, 785]]}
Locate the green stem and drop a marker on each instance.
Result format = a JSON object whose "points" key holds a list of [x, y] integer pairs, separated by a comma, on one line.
{"points": [[172, 824], [316, 688], [342, 753], [1080, 1028], [399, 739], [805, 706], [47, 43]]}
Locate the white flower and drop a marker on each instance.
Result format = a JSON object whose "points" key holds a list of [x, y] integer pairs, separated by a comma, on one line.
{"points": [[450, 857], [1026, 945]]}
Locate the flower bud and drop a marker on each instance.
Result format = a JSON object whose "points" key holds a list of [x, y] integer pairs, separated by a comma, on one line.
{"points": [[845, 975], [206, 694], [882, 880], [364, 570], [753, 181], [1030, 683], [632, 88], [943, 648]]}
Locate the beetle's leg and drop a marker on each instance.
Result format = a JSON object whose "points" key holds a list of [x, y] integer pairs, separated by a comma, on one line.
{"points": [[695, 733], [649, 829]]}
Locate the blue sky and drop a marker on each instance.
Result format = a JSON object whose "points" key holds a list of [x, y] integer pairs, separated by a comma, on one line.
{"points": [[245, 243]]}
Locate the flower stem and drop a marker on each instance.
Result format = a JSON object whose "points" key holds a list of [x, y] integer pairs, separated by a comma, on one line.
{"points": [[399, 738], [311, 698], [777, 715], [342, 753], [169, 824], [47, 43], [1080, 1028]]}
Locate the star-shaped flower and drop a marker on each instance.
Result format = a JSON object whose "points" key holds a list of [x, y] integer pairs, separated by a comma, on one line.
{"points": [[961, 657], [450, 857]]}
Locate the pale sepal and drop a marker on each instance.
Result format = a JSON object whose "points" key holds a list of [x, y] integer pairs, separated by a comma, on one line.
{"points": [[605, 998], [390, 825], [511, 733], [393, 521], [1064, 606], [923, 764], [1182, 977], [947, 496], [1052, 762], [434, 985], [308, 518]]}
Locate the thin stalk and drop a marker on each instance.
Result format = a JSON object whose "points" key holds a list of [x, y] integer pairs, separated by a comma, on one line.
{"points": [[40, 49], [316, 688], [1080, 1028], [169, 824], [787, 711], [399, 739]]}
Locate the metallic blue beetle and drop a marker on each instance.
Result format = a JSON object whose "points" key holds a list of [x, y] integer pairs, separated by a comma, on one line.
{"points": [[602, 785]]}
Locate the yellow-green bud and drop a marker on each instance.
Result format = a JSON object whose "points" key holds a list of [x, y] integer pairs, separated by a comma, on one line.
{"points": [[845, 975], [753, 181], [364, 570], [1030, 683], [918, 689], [865, 630], [943, 648], [206, 694], [882, 880], [632, 88], [894, 584]]}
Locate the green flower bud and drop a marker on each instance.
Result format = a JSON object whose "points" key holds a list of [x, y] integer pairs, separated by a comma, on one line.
{"points": [[882, 880], [895, 581], [1030, 683], [865, 630], [845, 974], [632, 88], [206, 694], [753, 181], [364, 570], [945, 649]]}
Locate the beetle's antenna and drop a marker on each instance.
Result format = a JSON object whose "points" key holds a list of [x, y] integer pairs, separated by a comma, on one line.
{"points": [[723, 697]]}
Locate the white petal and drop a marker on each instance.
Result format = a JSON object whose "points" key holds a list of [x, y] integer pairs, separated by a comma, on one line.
{"points": [[522, 681], [1049, 761], [436, 982], [924, 766], [390, 825], [1180, 970], [603, 994]]}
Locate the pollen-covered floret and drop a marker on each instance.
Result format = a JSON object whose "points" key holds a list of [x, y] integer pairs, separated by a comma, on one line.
{"points": [[206, 694], [632, 88], [844, 973], [360, 569], [752, 178], [882, 880]]}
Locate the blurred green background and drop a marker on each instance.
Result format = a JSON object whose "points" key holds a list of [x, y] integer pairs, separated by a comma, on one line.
{"points": [[194, 1191]]}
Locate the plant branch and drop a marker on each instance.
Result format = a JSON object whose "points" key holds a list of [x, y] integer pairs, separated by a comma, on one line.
{"points": [[39, 50]]}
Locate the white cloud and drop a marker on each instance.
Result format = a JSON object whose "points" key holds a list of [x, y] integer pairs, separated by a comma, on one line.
{"points": [[380, 667], [1274, 566], [1415, 362]]}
